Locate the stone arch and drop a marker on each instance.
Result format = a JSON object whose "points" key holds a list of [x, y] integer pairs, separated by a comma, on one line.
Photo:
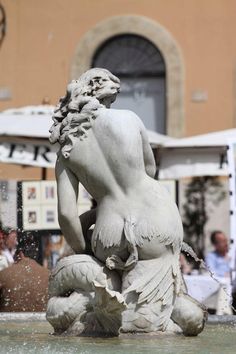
{"points": [[161, 38]]}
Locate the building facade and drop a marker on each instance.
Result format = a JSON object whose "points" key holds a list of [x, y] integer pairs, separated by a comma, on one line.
{"points": [[46, 43], [176, 60]]}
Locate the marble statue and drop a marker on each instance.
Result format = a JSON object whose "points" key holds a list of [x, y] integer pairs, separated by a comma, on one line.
{"points": [[126, 277]]}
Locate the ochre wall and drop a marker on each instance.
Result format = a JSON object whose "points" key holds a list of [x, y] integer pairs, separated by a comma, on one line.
{"points": [[41, 39], [21, 173]]}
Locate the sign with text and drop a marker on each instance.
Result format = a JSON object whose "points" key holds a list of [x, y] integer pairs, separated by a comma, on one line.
{"points": [[31, 152]]}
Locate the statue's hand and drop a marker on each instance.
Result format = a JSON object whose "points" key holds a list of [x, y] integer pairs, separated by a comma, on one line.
{"points": [[114, 262]]}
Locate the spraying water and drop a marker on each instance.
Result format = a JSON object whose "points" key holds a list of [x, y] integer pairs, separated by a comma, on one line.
{"points": [[188, 250]]}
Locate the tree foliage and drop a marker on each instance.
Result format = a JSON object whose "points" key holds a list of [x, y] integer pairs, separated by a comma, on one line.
{"points": [[201, 194]]}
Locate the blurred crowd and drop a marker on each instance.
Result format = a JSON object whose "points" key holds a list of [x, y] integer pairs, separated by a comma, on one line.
{"points": [[8, 243], [24, 282], [217, 265], [217, 261]]}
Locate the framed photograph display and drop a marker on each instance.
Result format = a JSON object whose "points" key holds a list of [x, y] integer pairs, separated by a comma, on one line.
{"points": [[39, 201], [49, 218], [32, 217], [31, 193], [48, 192]]}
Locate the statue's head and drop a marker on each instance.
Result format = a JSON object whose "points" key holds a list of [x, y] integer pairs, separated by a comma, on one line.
{"points": [[94, 89], [97, 83]]}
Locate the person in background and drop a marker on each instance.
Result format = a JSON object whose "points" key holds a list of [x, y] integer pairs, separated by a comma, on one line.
{"points": [[53, 250], [10, 245], [184, 264], [3, 259], [218, 260], [24, 285]]}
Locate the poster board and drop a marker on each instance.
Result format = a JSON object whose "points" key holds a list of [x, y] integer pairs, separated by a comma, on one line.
{"points": [[39, 205]]}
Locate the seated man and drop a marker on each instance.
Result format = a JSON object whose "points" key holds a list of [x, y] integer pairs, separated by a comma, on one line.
{"points": [[24, 285], [218, 260], [218, 263]]}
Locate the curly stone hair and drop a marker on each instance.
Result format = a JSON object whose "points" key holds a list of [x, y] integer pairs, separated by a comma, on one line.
{"points": [[74, 114]]}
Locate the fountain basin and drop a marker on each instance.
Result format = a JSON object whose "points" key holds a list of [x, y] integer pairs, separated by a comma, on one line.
{"points": [[31, 333]]}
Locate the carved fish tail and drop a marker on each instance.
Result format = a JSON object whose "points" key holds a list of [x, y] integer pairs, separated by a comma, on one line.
{"points": [[152, 286], [132, 244]]}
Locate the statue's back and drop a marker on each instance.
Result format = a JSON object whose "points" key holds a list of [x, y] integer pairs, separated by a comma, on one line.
{"points": [[110, 158]]}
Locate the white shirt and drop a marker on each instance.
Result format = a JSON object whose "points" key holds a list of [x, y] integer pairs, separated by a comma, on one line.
{"points": [[3, 262], [9, 255]]}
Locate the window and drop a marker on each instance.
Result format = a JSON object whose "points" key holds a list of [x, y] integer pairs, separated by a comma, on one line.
{"points": [[141, 69]]}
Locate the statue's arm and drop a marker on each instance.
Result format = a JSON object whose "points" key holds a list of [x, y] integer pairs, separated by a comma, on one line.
{"points": [[67, 192], [87, 219], [149, 160]]}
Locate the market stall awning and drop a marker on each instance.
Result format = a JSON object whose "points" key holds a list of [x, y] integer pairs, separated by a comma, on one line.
{"points": [[35, 122], [30, 121], [177, 158], [218, 138], [176, 163], [198, 155], [24, 134]]}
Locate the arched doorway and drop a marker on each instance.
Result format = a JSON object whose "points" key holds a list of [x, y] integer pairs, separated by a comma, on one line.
{"points": [[156, 34], [141, 68]]}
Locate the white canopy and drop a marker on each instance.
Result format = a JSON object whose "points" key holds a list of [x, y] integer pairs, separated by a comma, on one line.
{"points": [[30, 121], [219, 138], [192, 156], [196, 155], [20, 127], [191, 162], [156, 139], [35, 121]]}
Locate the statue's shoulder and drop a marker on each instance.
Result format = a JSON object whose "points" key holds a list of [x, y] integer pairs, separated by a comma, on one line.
{"points": [[120, 114]]}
